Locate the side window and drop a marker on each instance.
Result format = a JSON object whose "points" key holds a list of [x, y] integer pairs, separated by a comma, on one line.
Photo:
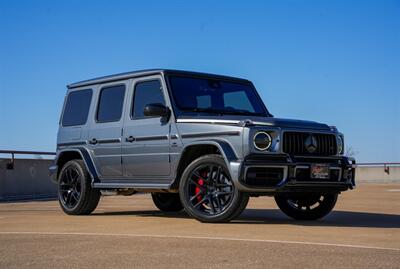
{"points": [[111, 102], [77, 108], [147, 92]]}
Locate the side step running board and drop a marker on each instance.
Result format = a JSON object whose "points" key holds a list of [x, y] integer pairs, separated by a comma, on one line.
{"points": [[100, 185]]}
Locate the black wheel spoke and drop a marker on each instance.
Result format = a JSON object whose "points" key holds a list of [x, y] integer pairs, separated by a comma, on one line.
{"points": [[218, 175], [69, 187], [218, 202], [75, 195], [223, 193], [200, 202], [211, 202], [195, 197], [197, 175], [223, 185], [210, 173], [197, 184], [211, 195], [306, 203]]}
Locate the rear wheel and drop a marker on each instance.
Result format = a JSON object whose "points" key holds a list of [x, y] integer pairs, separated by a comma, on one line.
{"points": [[75, 194], [167, 202], [208, 193], [306, 206]]}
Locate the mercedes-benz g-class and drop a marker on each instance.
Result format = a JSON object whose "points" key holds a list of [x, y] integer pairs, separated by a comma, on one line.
{"points": [[199, 142]]}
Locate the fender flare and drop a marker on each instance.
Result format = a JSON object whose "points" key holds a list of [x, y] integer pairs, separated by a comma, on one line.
{"points": [[224, 147], [86, 159]]}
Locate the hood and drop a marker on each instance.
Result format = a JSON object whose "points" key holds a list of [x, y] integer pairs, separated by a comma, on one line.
{"points": [[268, 121]]}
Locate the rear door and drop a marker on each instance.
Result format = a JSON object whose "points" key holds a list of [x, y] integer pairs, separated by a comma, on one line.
{"points": [[145, 151], [104, 138]]}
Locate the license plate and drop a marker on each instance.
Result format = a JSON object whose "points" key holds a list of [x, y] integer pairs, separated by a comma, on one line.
{"points": [[320, 171]]}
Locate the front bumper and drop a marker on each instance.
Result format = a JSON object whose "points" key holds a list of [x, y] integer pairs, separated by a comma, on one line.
{"points": [[284, 173]]}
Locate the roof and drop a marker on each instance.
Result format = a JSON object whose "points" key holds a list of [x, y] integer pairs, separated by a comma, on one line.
{"points": [[142, 73]]}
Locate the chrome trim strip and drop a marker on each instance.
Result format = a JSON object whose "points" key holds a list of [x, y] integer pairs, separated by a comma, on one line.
{"points": [[109, 141], [263, 123], [78, 143], [196, 135], [150, 138], [212, 121]]}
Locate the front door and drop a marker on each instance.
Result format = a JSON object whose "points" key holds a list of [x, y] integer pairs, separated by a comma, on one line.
{"points": [[105, 132], [145, 150]]}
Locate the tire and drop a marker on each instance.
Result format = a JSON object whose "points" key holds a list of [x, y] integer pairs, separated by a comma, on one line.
{"points": [[306, 206], [75, 194], [167, 202], [208, 193]]}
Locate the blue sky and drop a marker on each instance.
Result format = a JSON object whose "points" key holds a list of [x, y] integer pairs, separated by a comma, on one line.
{"points": [[336, 62]]}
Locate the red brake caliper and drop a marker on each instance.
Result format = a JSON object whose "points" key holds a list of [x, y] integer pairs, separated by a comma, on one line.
{"points": [[201, 183]]}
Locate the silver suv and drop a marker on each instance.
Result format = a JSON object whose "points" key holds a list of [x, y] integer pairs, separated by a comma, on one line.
{"points": [[200, 142]]}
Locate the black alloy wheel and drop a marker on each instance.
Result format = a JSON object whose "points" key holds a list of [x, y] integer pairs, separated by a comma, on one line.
{"points": [[208, 193], [70, 187], [306, 206]]}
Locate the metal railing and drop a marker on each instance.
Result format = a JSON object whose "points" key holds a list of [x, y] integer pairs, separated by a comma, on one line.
{"points": [[378, 164], [10, 165], [385, 166]]}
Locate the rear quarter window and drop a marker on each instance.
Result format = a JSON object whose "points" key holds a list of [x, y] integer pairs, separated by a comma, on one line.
{"points": [[77, 108], [111, 102]]}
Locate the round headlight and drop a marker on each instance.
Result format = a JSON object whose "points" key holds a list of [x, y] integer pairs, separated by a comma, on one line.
{"points": [[262, 141], [340, 144]]}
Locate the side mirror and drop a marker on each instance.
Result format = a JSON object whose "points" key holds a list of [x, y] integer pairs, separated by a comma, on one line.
{"points": [[156, 110]]}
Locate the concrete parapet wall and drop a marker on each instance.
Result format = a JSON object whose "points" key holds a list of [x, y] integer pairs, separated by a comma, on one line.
{"points": [[377, 174], [28, 180]]}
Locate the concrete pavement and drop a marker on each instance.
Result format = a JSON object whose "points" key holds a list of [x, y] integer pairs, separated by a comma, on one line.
{"points": [[362, 232]]}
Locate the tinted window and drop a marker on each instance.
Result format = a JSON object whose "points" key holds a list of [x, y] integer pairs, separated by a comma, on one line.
{"points": [[111, 103], [215, 96], [148, 92], [77, 108], [203, 101], [238, 101]]}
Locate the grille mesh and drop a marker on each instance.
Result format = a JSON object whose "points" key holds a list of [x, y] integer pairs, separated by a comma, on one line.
{"points": [[294, 143]]}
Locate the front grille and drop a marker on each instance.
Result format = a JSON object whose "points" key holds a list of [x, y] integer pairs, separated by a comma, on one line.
{"points": [[294, 143]]}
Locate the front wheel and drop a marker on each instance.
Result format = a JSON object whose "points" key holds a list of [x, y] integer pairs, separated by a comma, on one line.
{"points": [[306, 206], [208, 193]]}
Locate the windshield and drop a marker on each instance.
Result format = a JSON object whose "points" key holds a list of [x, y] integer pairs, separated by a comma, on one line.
{"points": [[214, 96]]}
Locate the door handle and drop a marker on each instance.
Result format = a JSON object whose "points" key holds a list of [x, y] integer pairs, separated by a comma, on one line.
{"points": [[130, 139], [93, 141]]}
